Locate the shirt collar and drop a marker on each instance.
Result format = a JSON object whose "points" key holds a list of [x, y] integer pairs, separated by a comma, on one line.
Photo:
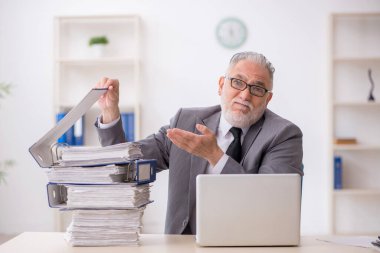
{"points": [[224, 127]]}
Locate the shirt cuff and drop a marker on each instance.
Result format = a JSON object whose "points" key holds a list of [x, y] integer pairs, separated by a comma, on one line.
{"points": [[108, 125], [217, 169]]}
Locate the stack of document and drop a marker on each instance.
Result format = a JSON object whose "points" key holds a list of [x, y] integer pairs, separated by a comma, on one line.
{"points": [[107, 187], [107, 174], [95, 156], [107, 196], [104, 227]]}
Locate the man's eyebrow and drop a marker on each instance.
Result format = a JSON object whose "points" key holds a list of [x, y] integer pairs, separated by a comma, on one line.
{"points": [[241, 77], [259, 83]]}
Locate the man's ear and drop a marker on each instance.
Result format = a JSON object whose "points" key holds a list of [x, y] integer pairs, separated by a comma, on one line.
{"points": [[269, 98], [221, 83]]}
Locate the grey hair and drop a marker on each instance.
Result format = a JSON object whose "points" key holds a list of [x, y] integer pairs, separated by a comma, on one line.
{"points": [[254, 57]]}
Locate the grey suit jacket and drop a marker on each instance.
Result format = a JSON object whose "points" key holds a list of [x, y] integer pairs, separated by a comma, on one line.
{"points": [[272, 145]]}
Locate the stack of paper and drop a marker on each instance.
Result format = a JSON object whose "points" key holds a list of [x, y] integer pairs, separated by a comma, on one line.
{"points": [[107, 174], [95, 156], [103, 186], [108, 201], [104, 227], [107, 196]]}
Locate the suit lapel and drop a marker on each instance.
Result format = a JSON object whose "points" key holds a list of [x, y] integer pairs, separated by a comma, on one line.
{"points": [[252, 133]]}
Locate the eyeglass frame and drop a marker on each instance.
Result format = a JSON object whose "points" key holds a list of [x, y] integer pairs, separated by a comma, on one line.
{"points": [[248, 86]]}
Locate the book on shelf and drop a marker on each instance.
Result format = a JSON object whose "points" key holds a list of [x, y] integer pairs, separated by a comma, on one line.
{"points": [[74, 135], [79, 132], [345, 141], [128, 123], [338, 173]]}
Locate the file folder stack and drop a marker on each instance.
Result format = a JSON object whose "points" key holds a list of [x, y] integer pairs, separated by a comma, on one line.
{"points": [[107, 193], [106, 188]]}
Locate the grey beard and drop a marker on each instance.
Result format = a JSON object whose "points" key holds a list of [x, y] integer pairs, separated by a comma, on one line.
{"points": [[242, 120]]}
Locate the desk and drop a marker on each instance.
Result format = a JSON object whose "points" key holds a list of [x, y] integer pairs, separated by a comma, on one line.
{"points": [[54, 243]]}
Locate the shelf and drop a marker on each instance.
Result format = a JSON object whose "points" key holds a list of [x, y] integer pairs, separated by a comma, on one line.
{"points": [[357, 192], [73, 35], [100, 61], [78, 67], [364, 147], [354, 52], [357, 59], [98, 19], [357, 104]]}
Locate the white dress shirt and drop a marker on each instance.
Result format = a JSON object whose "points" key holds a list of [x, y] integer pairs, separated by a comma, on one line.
{"points": [[224, 138]]}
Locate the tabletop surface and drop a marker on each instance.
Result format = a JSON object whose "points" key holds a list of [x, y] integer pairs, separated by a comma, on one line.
{"points": [[54, 242]]}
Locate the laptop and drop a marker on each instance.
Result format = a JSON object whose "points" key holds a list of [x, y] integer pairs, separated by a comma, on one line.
{"points": [[248, 210]]}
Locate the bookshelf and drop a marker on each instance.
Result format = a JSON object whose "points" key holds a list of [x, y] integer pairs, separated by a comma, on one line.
{"points": [[355, 40], [78, 68]]}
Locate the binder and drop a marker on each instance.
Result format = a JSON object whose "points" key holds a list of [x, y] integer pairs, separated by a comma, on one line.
{"points": [[58, 197], [338, 173], [43, 150], [140, 171], [46, 151], [128, 123]]}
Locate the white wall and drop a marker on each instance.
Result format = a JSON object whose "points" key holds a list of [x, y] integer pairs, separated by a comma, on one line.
{"points": [[181, 65]]}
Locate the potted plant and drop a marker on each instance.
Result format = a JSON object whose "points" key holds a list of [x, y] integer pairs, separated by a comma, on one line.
{"points": [[97, 45]]}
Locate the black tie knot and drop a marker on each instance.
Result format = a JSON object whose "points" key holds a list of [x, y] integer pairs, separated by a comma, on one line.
{"points": [[236, 132]]}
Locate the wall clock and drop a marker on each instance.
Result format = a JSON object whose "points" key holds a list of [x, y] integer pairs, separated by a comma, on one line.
{"points": [[231, 32]]}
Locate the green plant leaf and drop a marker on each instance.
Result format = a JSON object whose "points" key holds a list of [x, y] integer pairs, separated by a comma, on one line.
{"points": [[2, 177], [5, 89], [98, 40], [4, 165]]}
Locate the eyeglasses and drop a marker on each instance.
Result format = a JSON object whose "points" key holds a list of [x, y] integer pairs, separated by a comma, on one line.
{"points": [[255, 90]]}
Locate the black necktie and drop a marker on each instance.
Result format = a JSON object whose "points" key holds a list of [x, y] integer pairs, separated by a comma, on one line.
{"points": [[234, 150]]}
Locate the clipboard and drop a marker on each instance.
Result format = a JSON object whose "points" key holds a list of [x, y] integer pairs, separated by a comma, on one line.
{"points": [[43, 150]]}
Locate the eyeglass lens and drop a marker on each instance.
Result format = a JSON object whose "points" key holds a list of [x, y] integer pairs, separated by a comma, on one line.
{"points": [[253, 89]]}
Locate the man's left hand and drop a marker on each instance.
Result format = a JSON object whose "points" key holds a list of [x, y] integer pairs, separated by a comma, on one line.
{"points": [[203, 145]]}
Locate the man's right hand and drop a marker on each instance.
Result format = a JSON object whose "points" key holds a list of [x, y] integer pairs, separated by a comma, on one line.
{"points": [[109, 102]]}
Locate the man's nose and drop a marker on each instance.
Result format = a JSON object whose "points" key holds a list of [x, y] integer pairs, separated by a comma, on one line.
{"points": [[245, 94]]}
